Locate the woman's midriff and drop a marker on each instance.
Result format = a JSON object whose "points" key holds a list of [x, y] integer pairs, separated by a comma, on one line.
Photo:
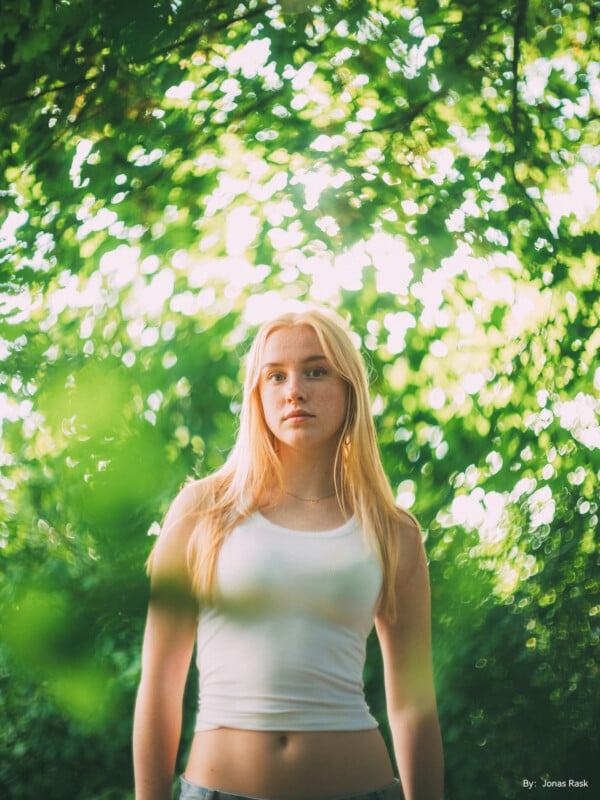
{"points": [[289, 765]]}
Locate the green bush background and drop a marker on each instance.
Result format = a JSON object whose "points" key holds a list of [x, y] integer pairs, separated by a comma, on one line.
{"points": [[174, 170]]}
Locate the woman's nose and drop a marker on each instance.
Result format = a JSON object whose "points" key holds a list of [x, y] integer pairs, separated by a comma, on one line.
{"points": [[295, 387]]}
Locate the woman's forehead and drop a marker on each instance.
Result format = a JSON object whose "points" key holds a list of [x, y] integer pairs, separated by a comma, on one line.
{"points": [[292, 343]]}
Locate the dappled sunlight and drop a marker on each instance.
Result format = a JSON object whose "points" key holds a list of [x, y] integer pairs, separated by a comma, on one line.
{"points": [[405, 496], [581, 416], [398, 325], [431, 174], [261, 307], [578, 199], [315, 181], [392, 261]]}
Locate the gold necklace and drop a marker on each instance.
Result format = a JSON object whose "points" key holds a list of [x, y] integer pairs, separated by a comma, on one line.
{"points": [[313, 500]]}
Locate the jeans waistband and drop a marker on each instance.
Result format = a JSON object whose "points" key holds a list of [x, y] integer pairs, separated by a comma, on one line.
{"points": [[190, 791]]}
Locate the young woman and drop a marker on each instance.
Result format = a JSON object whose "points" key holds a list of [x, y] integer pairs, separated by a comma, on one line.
{"points": [[277, 566]]}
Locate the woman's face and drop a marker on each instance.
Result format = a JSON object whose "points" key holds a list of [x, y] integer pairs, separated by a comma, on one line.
{"points": [[303, 398]]}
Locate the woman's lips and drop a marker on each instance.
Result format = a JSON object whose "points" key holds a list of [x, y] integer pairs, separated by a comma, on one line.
{"points": [[297, 415]]}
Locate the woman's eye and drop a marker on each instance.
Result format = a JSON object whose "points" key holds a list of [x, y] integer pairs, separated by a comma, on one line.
{"points": [[276, 377], [317, 372]]}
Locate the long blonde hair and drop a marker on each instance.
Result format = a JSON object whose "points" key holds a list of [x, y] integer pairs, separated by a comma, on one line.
{"points": [[253, 470]]}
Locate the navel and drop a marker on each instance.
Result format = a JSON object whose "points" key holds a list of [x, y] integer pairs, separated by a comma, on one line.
{"points": [[283, 740]]}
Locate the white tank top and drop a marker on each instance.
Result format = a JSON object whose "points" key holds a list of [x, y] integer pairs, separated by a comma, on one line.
{"points": [[283, 648]]}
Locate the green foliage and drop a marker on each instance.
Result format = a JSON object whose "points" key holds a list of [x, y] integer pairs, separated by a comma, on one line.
{"points": [[172, 172]]}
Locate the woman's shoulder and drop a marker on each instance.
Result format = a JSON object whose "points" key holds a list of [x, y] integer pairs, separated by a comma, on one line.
{"points": [[410, 543], [191, 498], [170, 551]]}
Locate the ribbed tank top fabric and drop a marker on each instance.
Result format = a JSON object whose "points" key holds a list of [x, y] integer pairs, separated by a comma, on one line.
{"points": [[283, 647]]}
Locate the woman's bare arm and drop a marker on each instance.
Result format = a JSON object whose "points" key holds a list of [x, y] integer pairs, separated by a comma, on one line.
{"points": [[410, 694], [167, 651]]}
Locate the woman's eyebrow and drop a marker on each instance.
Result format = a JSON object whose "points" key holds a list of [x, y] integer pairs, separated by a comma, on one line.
{"points": [[309, 360]]}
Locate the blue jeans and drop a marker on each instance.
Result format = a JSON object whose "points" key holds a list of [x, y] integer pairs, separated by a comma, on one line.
{"points": [[189, 791]]}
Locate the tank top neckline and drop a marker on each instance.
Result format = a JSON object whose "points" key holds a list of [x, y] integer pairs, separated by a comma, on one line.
{"points": [[340, 530]]}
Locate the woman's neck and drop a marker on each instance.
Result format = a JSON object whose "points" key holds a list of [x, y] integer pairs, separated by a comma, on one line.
{"points": [[307, 478]]}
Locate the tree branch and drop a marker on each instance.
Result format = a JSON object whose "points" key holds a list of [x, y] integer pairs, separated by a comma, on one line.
{"points": [[56, 88], [518, 35], [519, 30], [166, 50]]}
